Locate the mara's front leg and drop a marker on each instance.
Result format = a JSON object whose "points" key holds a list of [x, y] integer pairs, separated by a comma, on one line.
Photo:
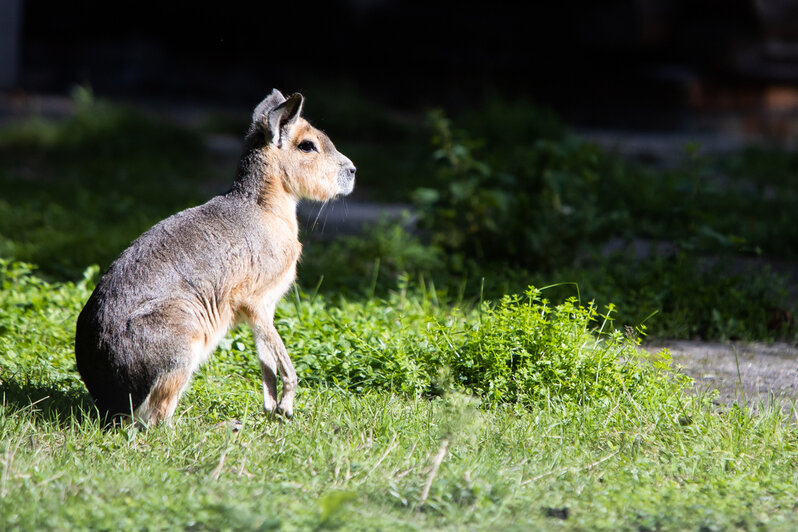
{"points": [[274, 359]]}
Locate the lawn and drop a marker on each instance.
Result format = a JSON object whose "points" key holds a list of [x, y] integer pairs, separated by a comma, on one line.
{"points": [[438, 389]]}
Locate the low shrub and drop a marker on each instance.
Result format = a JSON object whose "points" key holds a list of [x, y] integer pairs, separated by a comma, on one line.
{"points": [[526, 350]]}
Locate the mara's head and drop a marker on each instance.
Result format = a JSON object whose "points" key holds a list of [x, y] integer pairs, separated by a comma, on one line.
{"points": [[304, 157]]}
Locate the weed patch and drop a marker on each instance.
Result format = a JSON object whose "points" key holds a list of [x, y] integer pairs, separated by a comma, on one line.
{"points": [[535, 353]]}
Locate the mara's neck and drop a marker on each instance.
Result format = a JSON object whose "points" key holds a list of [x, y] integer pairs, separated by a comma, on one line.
{"points": [[258, 181]]}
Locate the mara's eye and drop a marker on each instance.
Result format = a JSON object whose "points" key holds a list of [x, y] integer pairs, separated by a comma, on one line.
{"points": [[307, 146]]}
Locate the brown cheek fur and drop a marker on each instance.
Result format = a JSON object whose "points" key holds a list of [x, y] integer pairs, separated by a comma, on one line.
{"points": [[301, 171]]}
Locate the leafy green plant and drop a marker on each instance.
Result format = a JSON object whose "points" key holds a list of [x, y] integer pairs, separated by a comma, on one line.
{"points": [[535, 208], [527, 350], [552, 206], [522, 350]]}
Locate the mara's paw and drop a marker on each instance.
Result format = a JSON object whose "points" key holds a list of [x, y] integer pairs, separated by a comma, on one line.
{"points": [[286, 411], [276, 413]]}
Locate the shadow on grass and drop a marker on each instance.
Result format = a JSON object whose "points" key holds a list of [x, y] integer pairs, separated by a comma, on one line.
{"points": [[51, 402]]}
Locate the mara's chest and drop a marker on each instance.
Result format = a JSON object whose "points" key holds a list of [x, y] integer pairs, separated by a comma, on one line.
{"points": [[265, 280]]}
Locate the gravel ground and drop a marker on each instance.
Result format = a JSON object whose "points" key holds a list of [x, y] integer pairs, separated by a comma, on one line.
{"points": [[753, 372]]}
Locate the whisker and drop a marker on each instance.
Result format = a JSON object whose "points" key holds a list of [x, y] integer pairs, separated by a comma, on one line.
{"points": [[316, 220], [326, 217]]}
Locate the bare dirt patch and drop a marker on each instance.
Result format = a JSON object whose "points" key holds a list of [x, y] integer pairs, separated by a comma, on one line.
{"points": [[747, 372]]}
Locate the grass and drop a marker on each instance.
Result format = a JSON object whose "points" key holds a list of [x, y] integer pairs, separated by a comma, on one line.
{"points": [[436, 391], [363, 462], [366, 454]]}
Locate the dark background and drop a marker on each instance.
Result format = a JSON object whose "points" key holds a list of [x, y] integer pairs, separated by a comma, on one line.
{"points": [[618, 63]]}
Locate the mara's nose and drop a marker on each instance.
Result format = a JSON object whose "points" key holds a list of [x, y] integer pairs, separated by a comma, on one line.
{"points": [[351, 170]]}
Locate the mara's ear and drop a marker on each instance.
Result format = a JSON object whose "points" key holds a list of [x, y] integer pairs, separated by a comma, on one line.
{"points": [[283, 116], [269, 102]]}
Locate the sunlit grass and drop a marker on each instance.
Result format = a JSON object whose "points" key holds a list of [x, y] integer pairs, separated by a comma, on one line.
{"points": [[370, 449]]}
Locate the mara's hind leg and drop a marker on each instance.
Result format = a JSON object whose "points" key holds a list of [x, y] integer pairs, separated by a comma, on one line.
{"points": [[161, 402]]}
